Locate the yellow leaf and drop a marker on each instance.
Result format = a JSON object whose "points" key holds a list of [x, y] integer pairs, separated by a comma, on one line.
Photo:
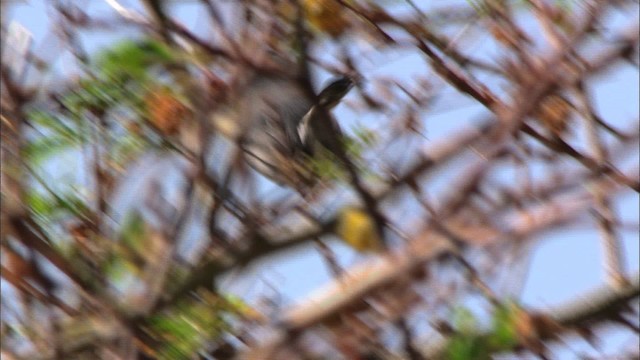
{"points": [[326, 15], [356, 228]]}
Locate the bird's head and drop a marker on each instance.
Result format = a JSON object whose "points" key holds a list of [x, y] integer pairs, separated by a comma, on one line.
{"points": [[335, 91]]}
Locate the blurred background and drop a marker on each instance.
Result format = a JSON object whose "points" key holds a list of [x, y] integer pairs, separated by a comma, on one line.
{"points": [[480, 200]]}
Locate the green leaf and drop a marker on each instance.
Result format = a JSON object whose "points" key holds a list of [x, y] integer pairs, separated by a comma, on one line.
{"points": [[504, 333], [39, 204], [48, 207], [73, 203], [56, 136], [367, 137], [127, 148], [464, 321], [134, 230], [55, 124], [467, 347], [118, 268], [187, 327], [132, 59], [466, 343], [42, 148]]}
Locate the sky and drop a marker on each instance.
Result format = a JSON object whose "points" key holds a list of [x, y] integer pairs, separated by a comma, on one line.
{"points": [[566, 263]]}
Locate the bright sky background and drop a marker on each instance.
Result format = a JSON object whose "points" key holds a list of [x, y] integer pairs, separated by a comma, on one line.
{"points": [[565, 264]]}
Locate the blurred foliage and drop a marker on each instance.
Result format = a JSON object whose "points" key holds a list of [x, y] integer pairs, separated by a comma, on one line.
{"points": [[192, 324], [124, 83], [127, 78], [114, 93], [133, 60], [56, 136], [470, 342], [48, 207], [133, 231]]}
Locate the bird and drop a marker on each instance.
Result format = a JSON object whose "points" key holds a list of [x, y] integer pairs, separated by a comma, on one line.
{"points": [[314, 130], [280, 127]]}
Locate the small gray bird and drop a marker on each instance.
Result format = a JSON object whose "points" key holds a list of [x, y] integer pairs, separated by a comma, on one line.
{"points": [[279, 127]]}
